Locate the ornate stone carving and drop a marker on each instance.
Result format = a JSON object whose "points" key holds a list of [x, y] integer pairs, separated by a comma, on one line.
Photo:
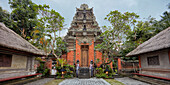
{"points": [[84, 28], [84, 6]]}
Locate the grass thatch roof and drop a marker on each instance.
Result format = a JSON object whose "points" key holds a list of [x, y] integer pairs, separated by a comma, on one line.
{"points": [[12, 40], [158, 42]]}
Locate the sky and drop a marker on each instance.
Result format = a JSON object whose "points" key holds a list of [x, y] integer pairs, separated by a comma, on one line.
{"points": [[67, 8]]}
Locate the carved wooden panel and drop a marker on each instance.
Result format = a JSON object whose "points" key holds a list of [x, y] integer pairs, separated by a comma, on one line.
{"points": [[84, 56], [154, 60], [5, 60]]}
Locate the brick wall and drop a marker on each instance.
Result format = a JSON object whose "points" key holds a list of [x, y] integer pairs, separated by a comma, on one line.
{"points": [[64, 56], [78, 52], [70, 57], [48, 64], [99, 56], [91, 52]]}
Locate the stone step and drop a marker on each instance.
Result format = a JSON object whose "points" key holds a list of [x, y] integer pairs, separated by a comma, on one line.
{"points": [[84, 72], [152, 81]]}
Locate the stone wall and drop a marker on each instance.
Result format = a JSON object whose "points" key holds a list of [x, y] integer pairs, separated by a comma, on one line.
{"points": [[161, 70], [18, 62], [163, 60], [20, 66]]}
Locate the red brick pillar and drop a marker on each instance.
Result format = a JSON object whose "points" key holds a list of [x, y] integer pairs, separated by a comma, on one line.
{"points": [[111, 65], [91, 52], [119, 64], [70, 57], [99, 56], [139, 61], [48, 64], [78, 52]]}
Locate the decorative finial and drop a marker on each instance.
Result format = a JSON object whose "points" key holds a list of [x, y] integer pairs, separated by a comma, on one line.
{"points": [[84, 6]]}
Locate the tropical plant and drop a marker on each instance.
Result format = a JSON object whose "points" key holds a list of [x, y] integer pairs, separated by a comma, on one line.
{"points": [[42, 69], [5, 18], [44, 34], [51, 21], [164, 22], [114, 35], [24, 13], [62, 62]]}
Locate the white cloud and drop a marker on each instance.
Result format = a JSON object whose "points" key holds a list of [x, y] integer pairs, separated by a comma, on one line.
{"points": [[129, 3], [67, 8]]}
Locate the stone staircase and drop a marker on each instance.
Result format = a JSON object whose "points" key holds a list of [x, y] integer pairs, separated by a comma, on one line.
{"points": [[151, 81], [84, 72]]}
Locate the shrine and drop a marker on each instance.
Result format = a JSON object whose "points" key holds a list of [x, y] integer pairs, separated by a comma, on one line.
{"points": [[82, 37]]}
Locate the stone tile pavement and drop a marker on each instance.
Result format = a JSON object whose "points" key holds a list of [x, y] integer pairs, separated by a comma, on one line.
{"points": [[40, 82], [129, 81], [91, 81]]}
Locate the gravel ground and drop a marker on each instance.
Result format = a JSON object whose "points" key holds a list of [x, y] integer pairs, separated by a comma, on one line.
{"points": [[91, 81], [129, 81], [40, 82]]}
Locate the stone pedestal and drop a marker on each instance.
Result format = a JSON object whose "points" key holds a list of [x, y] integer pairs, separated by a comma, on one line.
{"points": [[84, 72]]}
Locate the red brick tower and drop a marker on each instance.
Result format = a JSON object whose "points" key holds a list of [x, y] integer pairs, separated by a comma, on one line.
{"points": [[82, 37]]}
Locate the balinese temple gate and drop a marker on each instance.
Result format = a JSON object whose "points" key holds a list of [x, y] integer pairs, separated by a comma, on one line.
{"points": [[82, 38]]}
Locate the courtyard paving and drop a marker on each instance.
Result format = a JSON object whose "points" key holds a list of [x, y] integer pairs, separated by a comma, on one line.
{"points": [[91, 81], [129, 81], [40, 82]]}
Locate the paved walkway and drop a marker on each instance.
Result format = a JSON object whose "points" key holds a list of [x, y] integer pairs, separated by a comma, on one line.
{"points": [[40, 82], [91, 81], [129, 81]]}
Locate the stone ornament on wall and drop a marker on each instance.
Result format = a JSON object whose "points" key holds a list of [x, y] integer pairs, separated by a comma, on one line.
{"points": [[85, 40]]}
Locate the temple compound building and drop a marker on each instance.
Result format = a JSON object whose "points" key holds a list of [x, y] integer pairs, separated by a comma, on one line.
{"points": [[17, 56], [154, 56], [82, 37]]}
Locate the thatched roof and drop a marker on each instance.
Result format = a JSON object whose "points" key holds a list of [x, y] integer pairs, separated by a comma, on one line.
{"points": [[12, 40], [158, 42]]}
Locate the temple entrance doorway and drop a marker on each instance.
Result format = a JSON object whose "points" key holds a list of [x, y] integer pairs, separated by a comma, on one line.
{"points": [[84, 55]]}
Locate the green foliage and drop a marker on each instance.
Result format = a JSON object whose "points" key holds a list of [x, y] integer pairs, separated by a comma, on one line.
{"points": [[68, 76], [58, 67], [38, 59], [103, 75], [5, 18], [58, 73], [114, 35], [24, 13], [143, 31], [60, 46], [164, 22], [69, 69], [62, 62], [40, 32], [44, 34], [58, 77], [99, 70], [42, 69]]}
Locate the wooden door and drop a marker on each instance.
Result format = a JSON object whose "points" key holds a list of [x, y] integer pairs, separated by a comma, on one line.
{"points": [[84, 56]]}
